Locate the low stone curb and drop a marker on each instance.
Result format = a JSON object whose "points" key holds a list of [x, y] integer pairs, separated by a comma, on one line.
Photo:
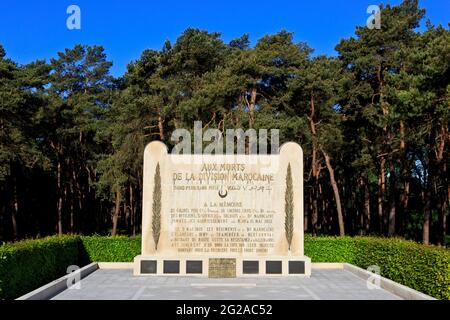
{"points": [[388, 285], [59, 285], [115, 265]]}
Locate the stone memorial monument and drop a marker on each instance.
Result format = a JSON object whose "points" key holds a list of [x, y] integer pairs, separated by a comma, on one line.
{"points": [[222, 215]]}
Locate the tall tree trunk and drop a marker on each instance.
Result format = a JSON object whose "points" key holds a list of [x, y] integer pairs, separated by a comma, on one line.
{"points": [[60, 196], [116, 212], [161, 127], [441, 167], [405, 174], [366, 206], [442, 138], [315, 210], [133, 213], [15, 211], [69, 194], [76, 189], [127, 214], [251, 108], [392, 191], [324, 207], [445, 204], [358, 202], [444, 213], [381, 192], [447, 210], [314, 166], [382, 178], [429, 175], [402, 136], [336, 194], [427, 213], [404, 199], [138, 210], [71, 208]]}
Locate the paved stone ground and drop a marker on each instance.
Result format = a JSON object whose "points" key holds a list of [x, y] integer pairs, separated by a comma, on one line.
{"points": [[106, 284]]}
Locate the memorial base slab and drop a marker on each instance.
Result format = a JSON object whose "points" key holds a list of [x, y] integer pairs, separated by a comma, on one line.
{"points": [[222, 267]]}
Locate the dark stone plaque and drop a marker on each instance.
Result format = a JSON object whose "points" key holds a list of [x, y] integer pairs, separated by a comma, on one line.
{"points": [[194, 266], [148, 266], [171, 266], [250, 267], [296, 267], [273, 267]]}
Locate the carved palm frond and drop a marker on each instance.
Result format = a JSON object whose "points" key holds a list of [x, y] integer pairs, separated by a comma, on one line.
{"points": [[289, 207], [156, 208]]}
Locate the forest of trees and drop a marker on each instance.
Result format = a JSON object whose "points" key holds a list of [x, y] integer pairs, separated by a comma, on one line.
{"points": [[373, 123]]}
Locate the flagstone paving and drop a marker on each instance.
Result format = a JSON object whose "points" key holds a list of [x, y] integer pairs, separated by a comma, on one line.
{"points": [[107, 284]]}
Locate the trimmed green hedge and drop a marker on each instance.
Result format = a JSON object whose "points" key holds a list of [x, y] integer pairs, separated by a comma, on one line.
{"points": [[26, 265], [29, 264], [424, 268], [330, 249], [111, 249]]}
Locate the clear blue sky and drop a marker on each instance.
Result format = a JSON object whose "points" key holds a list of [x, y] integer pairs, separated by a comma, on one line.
{"points": [[31, 30]]}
